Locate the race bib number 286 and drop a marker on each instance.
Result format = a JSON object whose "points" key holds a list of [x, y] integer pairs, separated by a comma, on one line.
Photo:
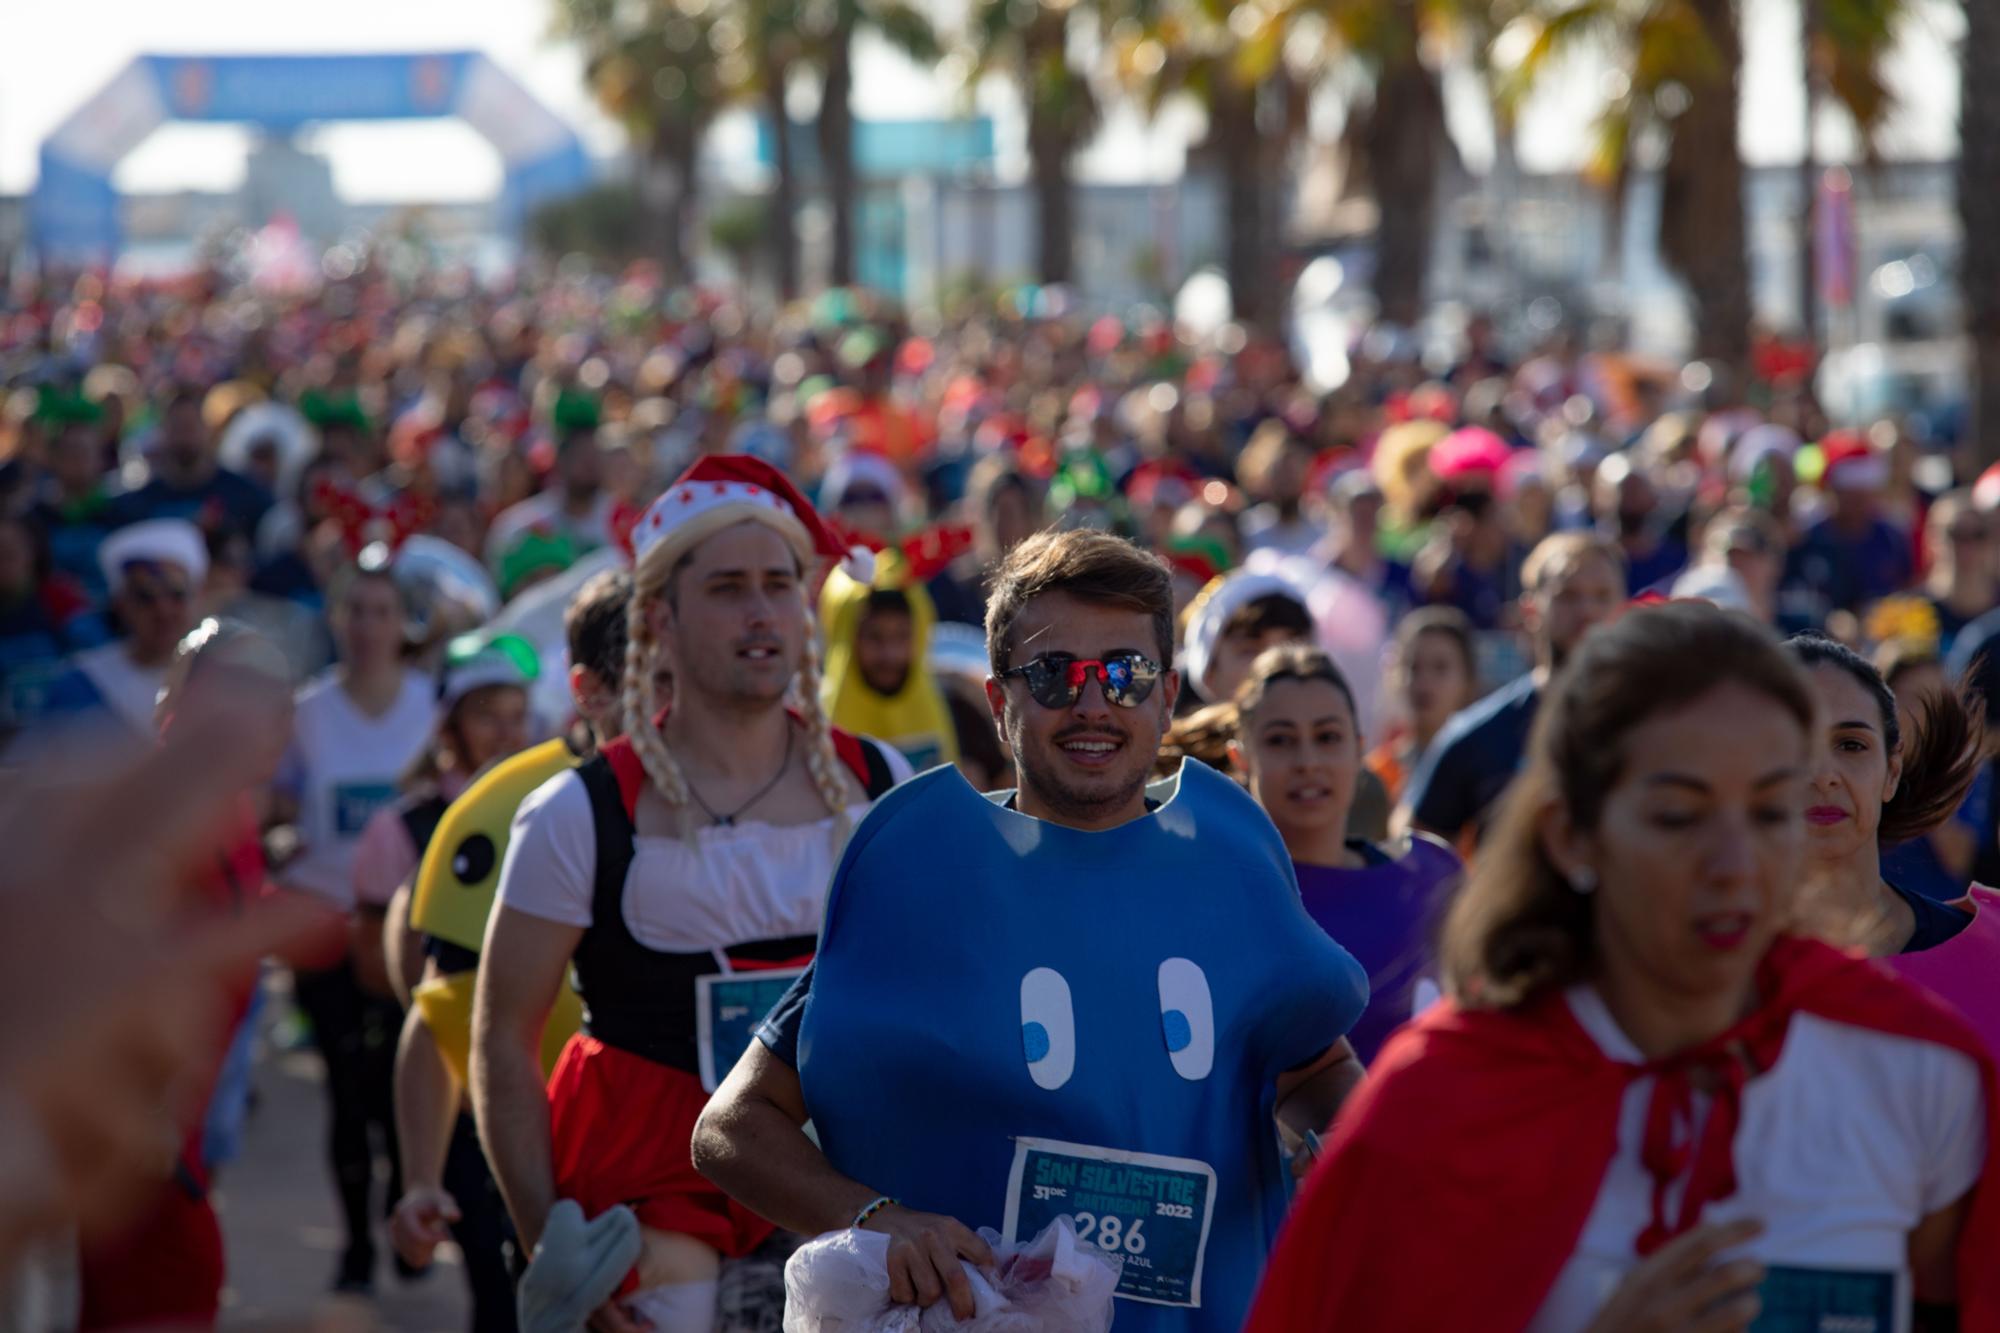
{"points": [[1153, 1212]]}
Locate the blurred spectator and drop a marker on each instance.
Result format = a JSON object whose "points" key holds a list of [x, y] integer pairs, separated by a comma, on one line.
{"points": [[155, 571], [574, 507], [1573, 582], [1629, 512], [1233, 621], [186, 482], [1433, 675], [1964, 580], [44, 620], [1853, 556], [1273, 469], [73, 503]]}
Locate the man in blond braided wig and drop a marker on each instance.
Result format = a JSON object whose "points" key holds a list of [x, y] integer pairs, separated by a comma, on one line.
{"points": [[683, 871]]}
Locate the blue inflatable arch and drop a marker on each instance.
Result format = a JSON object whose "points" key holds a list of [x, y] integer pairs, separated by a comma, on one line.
{"points": [[73, 216]]}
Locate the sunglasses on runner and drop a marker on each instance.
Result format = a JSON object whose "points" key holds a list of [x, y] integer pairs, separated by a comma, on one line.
{"points": [[1056, 680]]}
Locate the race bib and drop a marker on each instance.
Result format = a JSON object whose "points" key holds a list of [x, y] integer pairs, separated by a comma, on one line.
{"points": [[1826, 1300], [354, 803], [1153, 1211], [727, 1009]]}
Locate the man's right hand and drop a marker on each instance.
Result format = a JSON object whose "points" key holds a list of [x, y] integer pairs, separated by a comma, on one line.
{"points": [[422, 1221], [924, 1254]]}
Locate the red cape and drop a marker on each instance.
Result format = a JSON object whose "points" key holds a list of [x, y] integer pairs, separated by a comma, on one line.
{"points": [[1458, 1180]]}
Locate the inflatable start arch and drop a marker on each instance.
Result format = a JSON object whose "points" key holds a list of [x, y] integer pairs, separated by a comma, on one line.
{"points": [[73, 216]]}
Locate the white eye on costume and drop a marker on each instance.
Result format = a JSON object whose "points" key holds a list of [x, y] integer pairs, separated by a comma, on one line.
{"points": [[1048, 1028], [1187, 1018]]}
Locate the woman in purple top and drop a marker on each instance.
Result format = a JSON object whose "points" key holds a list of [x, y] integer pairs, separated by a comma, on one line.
{"points": [[1299, 748]]}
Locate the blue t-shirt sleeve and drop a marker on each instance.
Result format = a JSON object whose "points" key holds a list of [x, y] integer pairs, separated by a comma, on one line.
{"points": [[780, 1029], [1440, 795]]}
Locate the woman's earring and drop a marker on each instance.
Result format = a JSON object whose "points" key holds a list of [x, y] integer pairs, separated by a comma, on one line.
{"points": [[1583, 880]]}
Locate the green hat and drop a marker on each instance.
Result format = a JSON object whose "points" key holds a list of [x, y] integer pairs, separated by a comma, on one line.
{"points": [[576, 411], [324, 410], [61, 407], [535, 550], [474, 662]]}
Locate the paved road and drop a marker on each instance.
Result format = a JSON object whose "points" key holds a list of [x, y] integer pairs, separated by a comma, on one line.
{"points": [[282, 1226]]}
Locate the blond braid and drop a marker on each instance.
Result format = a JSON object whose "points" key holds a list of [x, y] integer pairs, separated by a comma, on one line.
{"points": [[829, 775], [642, 706]]}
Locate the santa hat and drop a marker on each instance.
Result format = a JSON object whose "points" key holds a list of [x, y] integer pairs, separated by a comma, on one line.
{"points": [[1852, 464], [157, 541], [721, 490]]}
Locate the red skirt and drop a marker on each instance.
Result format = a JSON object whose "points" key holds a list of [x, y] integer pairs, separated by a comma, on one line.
{"points": [[622, 1128], [163, 1271]]}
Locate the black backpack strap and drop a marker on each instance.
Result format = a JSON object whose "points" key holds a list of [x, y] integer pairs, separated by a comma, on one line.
{"points": [[421, 818], [615, 836], [879, 778]]}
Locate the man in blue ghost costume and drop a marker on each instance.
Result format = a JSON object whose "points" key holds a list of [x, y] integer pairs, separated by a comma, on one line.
{"points": [[1074, 1000]]}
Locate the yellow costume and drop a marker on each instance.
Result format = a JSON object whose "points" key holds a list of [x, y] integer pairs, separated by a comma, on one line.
{"points": [[915, 719], [454, 896]]}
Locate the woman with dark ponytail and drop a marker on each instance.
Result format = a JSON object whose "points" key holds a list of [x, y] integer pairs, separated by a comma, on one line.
{"points": [[1877, 784]]}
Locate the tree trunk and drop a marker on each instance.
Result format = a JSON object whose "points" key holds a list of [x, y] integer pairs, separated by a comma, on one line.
{"points": [[1405, 128], [836, 145], [1809, 178], [1702, 231], [670, 193], [1046, 78], [782, 227], [1233, 131], [1979, 218]]}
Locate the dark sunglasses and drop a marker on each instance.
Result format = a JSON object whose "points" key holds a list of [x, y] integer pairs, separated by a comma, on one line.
{"points": [[1056, 680]]}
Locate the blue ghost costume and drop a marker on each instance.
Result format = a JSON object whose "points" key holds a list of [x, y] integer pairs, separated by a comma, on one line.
{"points": [[1010, 1019]]}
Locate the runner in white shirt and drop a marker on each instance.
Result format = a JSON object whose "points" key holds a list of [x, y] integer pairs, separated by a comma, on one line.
{"points": [[685, 870], [355, 731]]}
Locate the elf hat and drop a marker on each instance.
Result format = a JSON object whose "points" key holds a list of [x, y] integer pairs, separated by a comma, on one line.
{"points": [[721, 490]]}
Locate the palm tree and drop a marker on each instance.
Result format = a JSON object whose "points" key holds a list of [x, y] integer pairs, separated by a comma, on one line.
{"points": [[830, 27], [1676, 69], [776, 47], [1062, 112], [1979, 216], [652, 67], [1396, 133], [1234, 68]]}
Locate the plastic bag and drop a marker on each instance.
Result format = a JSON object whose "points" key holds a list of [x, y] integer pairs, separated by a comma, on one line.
{"points": [[840, 1284]]}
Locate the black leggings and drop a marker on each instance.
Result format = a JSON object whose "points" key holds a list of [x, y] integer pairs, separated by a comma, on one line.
{"points": [[483, 1231], [356, 1034]]}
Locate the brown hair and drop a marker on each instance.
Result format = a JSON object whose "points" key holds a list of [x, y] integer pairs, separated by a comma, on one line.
{"points": [[1205, 735], [1557, 556], [1090, 566], [1518, 929], [594, 624], [1290, 661], [1447, 621], [1942, 752]]}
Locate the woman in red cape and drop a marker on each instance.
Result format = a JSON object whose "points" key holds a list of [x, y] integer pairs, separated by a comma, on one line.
{"points": [[1644, 1106]]}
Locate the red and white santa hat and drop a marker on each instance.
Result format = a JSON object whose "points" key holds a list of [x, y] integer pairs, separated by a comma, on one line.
{"points": [[721, 490], [1853, 464]]}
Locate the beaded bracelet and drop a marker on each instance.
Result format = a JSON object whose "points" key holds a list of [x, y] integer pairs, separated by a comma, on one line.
{"points": [[861, 1218]]}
